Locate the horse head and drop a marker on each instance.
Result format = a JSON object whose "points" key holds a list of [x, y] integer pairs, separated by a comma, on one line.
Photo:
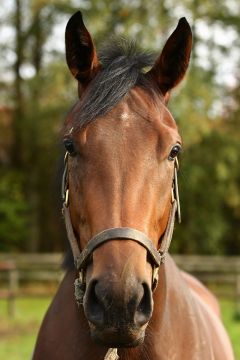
{"points": [[122, 143]]}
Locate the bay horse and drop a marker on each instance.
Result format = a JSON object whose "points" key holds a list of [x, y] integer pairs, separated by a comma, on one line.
{"points": [[120, 200]]}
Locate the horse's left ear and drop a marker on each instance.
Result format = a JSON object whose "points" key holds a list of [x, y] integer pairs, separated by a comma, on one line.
{"points": [[172, 64], [81, 54]]}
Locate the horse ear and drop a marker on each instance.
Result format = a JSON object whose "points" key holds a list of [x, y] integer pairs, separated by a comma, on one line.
{"points": [[171, 66], [81, 54]]}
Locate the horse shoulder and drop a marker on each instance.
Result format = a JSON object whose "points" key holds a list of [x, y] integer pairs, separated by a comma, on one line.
{"points": [[211, 314], [206, 295], [177, 328]]}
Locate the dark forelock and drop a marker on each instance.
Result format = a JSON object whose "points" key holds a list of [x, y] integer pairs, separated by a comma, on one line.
{"points": [[122, 67]]}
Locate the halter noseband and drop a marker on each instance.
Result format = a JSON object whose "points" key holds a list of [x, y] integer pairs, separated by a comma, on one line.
{"points": [[82, 258]]}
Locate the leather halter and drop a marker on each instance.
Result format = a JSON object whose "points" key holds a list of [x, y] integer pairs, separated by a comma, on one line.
{"points": [[82, 258]]}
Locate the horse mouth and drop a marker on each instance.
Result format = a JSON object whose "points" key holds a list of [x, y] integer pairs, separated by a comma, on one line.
{"points": [[117, 337]]}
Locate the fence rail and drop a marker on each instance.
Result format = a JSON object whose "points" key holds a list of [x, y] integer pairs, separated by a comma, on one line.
{"points": [[219, 270], [19, 269]]}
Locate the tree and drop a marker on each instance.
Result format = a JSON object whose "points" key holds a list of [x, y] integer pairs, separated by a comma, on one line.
{"points": [[42, 90]]}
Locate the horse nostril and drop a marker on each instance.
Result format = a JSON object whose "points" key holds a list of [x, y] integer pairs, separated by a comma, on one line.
{"points": [[104, 306], [93, 306], [145, 306]]}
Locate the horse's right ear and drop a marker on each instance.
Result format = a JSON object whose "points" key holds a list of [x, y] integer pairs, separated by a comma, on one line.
{"points": [[81, 54], [172, 64]]}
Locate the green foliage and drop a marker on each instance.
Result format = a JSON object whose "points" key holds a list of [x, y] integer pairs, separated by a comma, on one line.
{"points": [[206, 110], [14, 212], [209, 180]]}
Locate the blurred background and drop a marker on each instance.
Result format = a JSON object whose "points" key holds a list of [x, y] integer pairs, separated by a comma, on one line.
{"points": [[36, 90]]}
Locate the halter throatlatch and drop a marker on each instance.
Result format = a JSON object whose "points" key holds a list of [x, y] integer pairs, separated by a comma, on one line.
{"points": [[82, 258]]}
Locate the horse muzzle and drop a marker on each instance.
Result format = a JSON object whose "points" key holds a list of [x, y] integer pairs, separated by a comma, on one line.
{"points": [[117, 337], [118, 315]]}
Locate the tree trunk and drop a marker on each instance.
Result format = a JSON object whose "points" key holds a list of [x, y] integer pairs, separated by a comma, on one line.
{"points": [[17, 151]]}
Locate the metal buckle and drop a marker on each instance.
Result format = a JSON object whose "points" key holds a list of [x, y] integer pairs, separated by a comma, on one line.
{"points": [[155, 277], [79, 288]]}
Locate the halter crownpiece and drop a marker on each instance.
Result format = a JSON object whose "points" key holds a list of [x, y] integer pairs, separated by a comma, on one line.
{"points": [[82, 258]]}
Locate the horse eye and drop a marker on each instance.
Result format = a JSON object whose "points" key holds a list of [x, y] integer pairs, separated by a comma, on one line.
{"points": [[174, 152], [69, 146]]}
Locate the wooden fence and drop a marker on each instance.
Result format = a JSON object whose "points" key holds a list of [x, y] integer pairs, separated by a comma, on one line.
{"points": [[17, 270]]}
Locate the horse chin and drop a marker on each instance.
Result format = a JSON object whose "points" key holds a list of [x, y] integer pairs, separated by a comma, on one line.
{"points": [[117, 337]]}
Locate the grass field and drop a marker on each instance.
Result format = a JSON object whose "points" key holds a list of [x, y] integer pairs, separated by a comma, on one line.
{"points": [[17, 336]]}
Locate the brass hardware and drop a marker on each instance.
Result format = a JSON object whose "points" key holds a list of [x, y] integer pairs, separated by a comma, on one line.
{"points": [[65, 157], [173, 195], [66, 202], [176, 163]]}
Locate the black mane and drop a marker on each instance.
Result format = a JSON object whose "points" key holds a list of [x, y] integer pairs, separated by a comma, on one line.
{"points": [[122, 66]]}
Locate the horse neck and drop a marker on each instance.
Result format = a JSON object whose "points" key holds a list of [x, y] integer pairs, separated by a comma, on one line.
{"points": [[172, 298], [176, 324], [174, 329]]}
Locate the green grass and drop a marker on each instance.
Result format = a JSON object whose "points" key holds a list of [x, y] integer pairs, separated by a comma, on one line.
{"points": [[18, 335], [232, 324]]}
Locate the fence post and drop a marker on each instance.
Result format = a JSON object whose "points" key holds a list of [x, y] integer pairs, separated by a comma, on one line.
{"points": [[12, 292]]}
